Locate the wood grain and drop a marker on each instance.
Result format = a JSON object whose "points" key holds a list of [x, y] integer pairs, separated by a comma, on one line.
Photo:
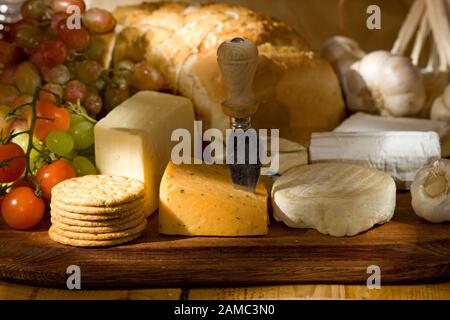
{"points": [[406, 249], [438, 291], [12, 291], [354, 292]]}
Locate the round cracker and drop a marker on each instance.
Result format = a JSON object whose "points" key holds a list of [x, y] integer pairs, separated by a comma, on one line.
{"points": [[96, 229], [89, 243], [98, 191], [94, 217], [129, 206], [96, 223], [101, 236]]}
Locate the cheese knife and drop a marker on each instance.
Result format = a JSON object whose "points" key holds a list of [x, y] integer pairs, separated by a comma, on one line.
{"points": [[238, 59]]}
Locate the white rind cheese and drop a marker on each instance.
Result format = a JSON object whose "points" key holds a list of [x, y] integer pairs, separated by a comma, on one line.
{"points": [[363, 122], [134, 139], [399, 154], [431, 192], [335, 198]]}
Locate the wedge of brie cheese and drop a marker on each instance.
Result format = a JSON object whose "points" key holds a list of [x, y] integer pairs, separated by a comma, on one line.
{"points": [[431, 192], [363, 122], [399, 154], [334, 198], [134, 139]]}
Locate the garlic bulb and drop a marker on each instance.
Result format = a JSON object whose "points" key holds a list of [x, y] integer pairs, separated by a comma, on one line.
{"points": [[441, 107], [430, 192], [385, 83], [341, 52]]}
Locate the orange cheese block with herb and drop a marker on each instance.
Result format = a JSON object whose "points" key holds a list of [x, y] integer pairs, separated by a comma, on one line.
{"points": [[200, 200]]}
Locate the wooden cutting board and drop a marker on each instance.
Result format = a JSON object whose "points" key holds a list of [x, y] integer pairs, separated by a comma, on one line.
{"points": [[406, 249]]}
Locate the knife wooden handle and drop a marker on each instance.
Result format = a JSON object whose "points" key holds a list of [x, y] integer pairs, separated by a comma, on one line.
{"points": [[238, 60]]}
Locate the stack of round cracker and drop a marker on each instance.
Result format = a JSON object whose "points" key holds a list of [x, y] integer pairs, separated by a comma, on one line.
{"points": [[97, 211]]}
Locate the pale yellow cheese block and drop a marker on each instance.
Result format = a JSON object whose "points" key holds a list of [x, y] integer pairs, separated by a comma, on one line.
{"points": [[200, 200], [134, 140]]}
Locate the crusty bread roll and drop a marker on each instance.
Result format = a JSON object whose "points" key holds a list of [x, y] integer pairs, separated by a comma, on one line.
{"points": [[298, 91]]}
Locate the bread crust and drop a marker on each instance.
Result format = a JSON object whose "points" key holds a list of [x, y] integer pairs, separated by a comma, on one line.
{"points": [[298, 92]]}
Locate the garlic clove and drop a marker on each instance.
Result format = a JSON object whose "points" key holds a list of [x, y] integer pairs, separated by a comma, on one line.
{"points": [[392, 82], [430, 192], [440, 109], [446, 96]]}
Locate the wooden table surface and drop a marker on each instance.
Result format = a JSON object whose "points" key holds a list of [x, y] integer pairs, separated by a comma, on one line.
{"points": [[437, 291]]}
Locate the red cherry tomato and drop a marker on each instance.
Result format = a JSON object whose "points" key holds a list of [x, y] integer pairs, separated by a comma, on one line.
{"points": [[22, 209], [1, 201], [56, 119], [12, 162], [52, 174]]}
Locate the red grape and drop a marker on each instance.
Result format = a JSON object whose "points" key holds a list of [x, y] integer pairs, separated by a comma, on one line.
{"points": [[75, 91], [8, 94], [147, 77], [78, 39], [56, 19], [115, 96], [54, 88], [54, 53], [9, 53], [62, 5], [7, 76], [99, 20], [93, 103], [59, 74], [33, 9]]}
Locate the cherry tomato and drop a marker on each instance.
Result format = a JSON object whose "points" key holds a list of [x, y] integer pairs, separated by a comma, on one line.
{"points": [[22, 209], [1, 201], [12, 162], [58, 119], [52, 174]]}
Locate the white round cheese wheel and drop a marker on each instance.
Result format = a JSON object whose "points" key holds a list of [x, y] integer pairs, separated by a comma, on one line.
{"points": [[334, 198]]}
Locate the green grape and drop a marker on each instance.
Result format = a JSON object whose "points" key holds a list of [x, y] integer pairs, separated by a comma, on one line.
{"points": [[88, 71], [70, 156], [27, 78], [76, 118], [124, 68], [90, 151], [26, 37], [83, 166], [95, 50], [83, 134], [22, 141], [59, 142]]}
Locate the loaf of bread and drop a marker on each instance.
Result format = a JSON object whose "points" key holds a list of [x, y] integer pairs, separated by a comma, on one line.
{"points": [[298, 91]]}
